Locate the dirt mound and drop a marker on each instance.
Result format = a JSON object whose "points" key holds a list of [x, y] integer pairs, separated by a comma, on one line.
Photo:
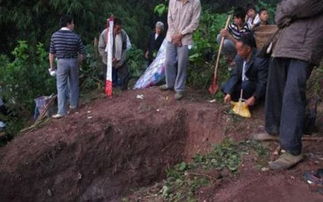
{"points": [[112, 146], [107, 148]]}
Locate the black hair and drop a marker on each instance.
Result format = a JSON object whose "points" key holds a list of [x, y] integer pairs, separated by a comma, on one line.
{"points": [[117, 21], [239, 13], [248, 39], [65, 20], [251, 6], [262, 10]]}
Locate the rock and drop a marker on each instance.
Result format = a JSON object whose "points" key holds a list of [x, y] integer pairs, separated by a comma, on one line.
{"points": [[49, 193], [264, 169]]}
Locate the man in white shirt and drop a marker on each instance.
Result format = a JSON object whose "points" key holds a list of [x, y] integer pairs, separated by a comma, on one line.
{"points": [[183, 20]]}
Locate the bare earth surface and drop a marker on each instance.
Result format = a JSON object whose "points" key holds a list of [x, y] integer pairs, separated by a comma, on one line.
{"points": [[112, 146]]}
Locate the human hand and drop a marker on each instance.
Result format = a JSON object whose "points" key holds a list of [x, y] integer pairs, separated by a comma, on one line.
{"points": [[227, 98], [224, 33], [118, 64], [251, 101], [146, 55], [52, 67], [114, 60], [177, 39]]}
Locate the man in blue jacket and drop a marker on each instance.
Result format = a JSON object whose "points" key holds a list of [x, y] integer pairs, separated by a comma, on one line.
{"points": [[249, 75]]}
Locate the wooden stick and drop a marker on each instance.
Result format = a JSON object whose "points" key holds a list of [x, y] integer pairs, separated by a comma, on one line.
{"points": [[41, 116], [220, 49], [305, 138], [202, 175]]}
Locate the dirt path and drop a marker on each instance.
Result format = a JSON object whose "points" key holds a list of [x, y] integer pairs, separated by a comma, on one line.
{"points": [[252, 184], [112, 146]]}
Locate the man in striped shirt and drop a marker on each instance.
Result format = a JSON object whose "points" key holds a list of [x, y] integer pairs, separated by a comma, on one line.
{"points": [[233, 33], [67, 47]]}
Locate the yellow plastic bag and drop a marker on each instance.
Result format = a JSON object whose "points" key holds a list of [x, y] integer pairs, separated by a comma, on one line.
{"points": [[241, 109]]}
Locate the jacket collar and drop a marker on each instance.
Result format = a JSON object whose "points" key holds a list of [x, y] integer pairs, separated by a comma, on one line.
{"points": [[252, 59]]}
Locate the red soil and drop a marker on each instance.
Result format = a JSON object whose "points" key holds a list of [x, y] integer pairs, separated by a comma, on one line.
{"points": [[112, 146]]}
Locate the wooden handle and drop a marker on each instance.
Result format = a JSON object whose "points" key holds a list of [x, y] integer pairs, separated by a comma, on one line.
{"points": [[220, 49]]}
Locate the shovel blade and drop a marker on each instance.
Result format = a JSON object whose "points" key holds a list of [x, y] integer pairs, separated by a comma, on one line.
{"points": [[214, 88]]}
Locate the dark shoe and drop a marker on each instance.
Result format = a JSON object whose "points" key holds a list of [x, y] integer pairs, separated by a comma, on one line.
{"points": [[264, 136], [164, 87], [285, 161], [179, 95]]}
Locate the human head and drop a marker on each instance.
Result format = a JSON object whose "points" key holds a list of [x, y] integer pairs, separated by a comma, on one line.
{"points": [[245, 45], [117, 26], [239, 16], [67, 21], [159, 28], [251, 11], [264, 15]]}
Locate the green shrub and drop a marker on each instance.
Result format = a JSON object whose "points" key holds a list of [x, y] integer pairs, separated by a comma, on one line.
{"points": [[91, 70], [25, 78], [136, 62], [202, 55], [22, 80]]}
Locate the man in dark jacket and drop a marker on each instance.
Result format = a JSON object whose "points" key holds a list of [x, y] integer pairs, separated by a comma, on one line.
{"points": [[155, 41], [250, 73], [298, 49]]}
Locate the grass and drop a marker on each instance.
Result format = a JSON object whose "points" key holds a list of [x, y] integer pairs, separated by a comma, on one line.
{"points": [[185, 179]]}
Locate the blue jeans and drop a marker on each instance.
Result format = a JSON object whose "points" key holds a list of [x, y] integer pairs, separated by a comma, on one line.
{"points": [[67, 81]]}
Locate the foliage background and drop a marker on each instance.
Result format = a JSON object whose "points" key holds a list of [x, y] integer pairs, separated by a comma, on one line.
{"points": [[26, 27]]}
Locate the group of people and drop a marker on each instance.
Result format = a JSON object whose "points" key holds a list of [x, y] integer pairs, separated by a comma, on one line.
{"points": [[279, 80], [67, 50]]}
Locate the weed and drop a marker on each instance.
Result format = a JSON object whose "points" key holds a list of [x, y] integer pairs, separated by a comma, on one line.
{"points": [[185, 179]]}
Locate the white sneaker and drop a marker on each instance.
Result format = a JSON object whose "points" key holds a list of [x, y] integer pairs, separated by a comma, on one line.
{"points": [[57, 116]]}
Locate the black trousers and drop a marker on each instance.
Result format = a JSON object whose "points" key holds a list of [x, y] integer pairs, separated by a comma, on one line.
{"points": [[286, 101], [248, 88], [120, 76]]}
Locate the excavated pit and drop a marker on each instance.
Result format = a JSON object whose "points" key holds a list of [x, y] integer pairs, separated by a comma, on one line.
{"points": [[113, 146], [108, 148]]}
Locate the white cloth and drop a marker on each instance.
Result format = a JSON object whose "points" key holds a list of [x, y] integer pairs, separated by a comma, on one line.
{"points": [[118, 46], [65, 29], [252, 22], [244, 77], [2, 124], [156, 36], [129, 46]]}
